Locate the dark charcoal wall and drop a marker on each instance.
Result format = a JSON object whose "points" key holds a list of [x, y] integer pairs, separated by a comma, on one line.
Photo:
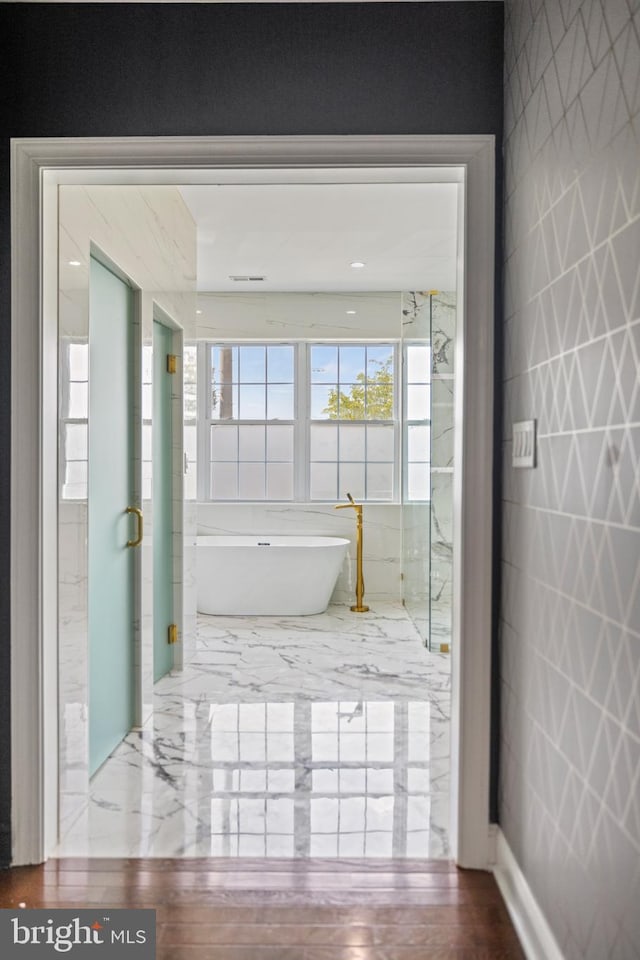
{"points": [[180, 69]]}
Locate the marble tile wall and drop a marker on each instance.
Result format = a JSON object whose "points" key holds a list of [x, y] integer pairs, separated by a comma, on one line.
{"points": [[427, 527], [570, 619], [381, 543], [149, 234], [442, 419]]}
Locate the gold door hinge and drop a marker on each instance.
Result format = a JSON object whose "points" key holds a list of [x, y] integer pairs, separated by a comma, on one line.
{"points": [[172, 363], [173, 633]]}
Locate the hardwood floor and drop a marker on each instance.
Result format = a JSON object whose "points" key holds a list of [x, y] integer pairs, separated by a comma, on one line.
{"points": [[287, 909]]}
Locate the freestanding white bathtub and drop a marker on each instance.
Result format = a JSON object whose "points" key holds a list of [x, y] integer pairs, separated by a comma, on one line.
{"points": [[286, 576]]}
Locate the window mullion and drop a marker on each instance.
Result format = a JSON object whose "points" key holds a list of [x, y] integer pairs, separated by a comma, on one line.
{"points": [[301, 428], [203, 435]]}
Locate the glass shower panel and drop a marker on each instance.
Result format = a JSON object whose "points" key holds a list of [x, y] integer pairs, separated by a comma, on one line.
{"points": [[443, 325], [427, 462]]}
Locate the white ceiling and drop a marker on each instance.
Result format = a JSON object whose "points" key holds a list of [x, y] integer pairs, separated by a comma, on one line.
{"points": [[303, 237]]}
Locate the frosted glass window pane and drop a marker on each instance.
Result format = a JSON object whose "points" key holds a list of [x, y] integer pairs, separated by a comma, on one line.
{"points": [[324, 477], [419, 716], [79, 401], [353, 781], [279, 481], [418, 364], [251, 443], [352, 443], [190, 365], [190, 402], [74, 491], [324, 781], [252, 717], [418, 402], [252, 365], [251, 481], [190, 484], [252, 402], [280, 364], [324, 746], [280, 402], [146, 441], [351, 480], [147, 401], [418, 443], [324, 716], [320, 402], [380, 443], [380, 481], [224, 481], [324, 442], [78, 361], [418, 481], [351, 364], [75, 446], [147, 364], [280, 443], [191, 442], [76, 471], [380, 717], [324, 364], [224, 443], [353, 746], [280, 717], [380, 815]]}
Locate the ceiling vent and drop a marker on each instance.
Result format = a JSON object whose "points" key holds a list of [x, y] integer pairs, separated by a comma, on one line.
{"points": [[246, 278]]}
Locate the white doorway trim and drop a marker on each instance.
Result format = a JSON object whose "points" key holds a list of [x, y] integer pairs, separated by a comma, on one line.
{"points": [[37, 166]]}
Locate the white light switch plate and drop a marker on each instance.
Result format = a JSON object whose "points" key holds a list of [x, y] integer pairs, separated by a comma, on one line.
{"points": [[524, 444]]}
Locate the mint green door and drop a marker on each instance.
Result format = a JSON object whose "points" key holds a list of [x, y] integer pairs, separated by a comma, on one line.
{"points": [[162, 502], [111, 562]]}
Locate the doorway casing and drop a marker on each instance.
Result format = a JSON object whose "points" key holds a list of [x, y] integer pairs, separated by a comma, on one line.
{"points": [[37, 168]]}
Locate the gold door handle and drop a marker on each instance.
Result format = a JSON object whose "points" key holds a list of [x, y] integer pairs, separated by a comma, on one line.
{"points": [[138, 539]]}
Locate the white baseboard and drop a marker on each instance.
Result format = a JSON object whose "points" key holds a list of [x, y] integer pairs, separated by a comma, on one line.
{"points": [[534, 933]]}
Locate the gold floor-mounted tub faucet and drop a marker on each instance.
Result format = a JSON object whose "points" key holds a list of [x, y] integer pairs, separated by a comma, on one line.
{"points": [[359, 606]]}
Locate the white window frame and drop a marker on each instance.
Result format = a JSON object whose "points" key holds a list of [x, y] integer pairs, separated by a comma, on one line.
{"points": [[205, 420], [302, 421], [65, 363], [396, 422], [406, 422]]}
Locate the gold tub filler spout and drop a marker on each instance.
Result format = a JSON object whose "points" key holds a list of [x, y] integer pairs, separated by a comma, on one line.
{"points": [[359, 606]]}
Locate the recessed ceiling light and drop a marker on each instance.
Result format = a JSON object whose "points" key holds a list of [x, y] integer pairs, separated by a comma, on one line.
{"points": [[75, 263], [357, 264], [351, 312], [199, 312]]}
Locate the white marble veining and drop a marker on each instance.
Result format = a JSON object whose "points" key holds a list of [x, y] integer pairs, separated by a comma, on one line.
{"points": [[382, 537], [442, 465], [322, 736], [427, 527]]}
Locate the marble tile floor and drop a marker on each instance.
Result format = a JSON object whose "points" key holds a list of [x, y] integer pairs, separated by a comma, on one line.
{"points": [[323, 736]]}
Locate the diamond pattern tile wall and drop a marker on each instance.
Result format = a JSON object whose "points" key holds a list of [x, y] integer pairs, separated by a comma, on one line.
{"points": [[570, 619]]}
